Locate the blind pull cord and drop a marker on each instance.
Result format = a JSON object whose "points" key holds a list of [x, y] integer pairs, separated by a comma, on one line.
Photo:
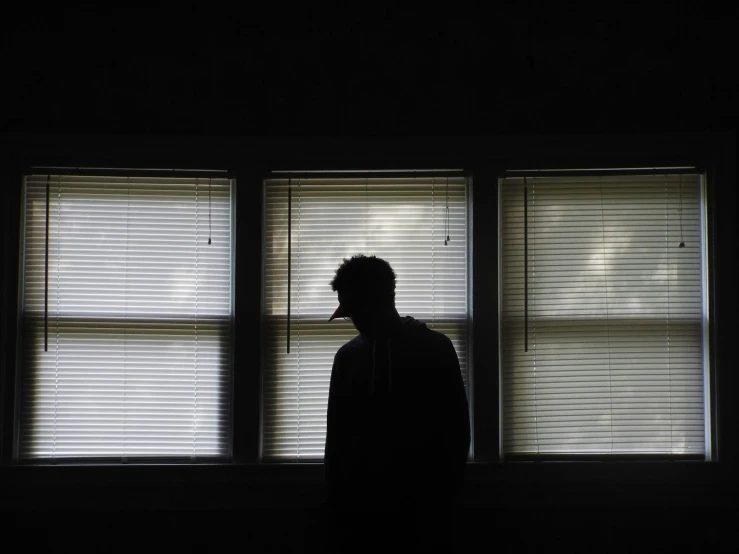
{"points": [[680, 210], [210, 229], [446, 241], [289, 253], [46, 271], [525, 265]]}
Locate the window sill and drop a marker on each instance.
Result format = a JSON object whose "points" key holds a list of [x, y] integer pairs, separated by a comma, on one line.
{"points": [[301, 486]]}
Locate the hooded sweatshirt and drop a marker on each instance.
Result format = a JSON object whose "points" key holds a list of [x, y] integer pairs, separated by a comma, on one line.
{"points": [[398, 420]]}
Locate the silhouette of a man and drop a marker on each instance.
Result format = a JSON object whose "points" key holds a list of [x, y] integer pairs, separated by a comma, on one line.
{"points": [[398, 419]]}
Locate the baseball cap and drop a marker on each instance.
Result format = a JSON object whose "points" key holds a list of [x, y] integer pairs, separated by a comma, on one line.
{"points": [[338, 313]]}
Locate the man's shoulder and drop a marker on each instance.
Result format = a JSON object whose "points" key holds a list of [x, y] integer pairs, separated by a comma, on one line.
{"points": [[351, 347], [425, 346], [431, 338]]}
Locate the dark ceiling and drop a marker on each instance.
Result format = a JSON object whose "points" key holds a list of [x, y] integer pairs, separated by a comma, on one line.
{"points": [[538, 68]]}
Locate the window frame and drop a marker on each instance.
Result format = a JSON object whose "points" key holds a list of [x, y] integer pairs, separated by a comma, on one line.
{"points": [[709, 353], [487, 157], [246, 446], [19, 369], [355, 174]]}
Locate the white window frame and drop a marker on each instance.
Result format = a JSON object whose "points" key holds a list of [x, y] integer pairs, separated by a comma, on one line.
{"points": [[202, 176], [439, 176], [708, 369]]}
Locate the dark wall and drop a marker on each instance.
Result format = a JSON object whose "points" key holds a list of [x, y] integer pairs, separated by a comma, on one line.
{"points": [[483, 90], [665, 508], [532, 67]]}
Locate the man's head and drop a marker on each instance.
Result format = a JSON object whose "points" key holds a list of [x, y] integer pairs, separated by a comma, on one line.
{"points": [[366, 287]]}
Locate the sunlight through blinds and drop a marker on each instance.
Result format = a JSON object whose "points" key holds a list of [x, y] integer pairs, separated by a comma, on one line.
{"points": [[402, 220], [616, 315], [139, 317]]}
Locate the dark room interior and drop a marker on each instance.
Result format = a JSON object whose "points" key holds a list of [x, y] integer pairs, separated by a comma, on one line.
{"points": [[532, 86]]}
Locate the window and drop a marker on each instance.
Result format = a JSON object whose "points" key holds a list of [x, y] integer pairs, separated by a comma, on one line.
{"points": [[403, 220], [127, 310], [135, 280], [604, 315]]}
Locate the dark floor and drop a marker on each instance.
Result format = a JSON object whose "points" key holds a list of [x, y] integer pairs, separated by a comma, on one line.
{"points": [[587, 529]]}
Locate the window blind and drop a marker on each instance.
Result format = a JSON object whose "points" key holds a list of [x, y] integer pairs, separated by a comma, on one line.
{"points": [[402, 220], [616, 315], [139, 311]]}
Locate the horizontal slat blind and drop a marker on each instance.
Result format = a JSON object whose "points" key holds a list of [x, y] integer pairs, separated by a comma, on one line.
{"points": [[615, 315], [139, 310], [400, 220]]}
